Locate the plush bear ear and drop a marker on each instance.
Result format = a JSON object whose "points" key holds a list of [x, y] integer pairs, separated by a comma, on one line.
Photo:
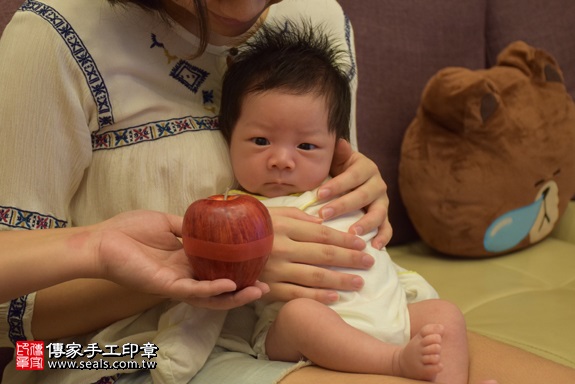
{"points": [[459, 99], [533, 62]]}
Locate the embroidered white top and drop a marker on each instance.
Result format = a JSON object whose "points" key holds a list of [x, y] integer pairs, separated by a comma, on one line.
{"points": [[101, 111]]}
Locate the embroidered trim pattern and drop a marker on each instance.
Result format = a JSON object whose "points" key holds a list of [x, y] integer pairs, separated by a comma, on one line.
{"points": [[81, 55], [15, 319], [185, 73], [156, 43], [18, 218], [152, 131]]}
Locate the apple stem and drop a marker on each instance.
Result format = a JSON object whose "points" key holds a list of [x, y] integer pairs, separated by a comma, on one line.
{"points": [[226, 194]]}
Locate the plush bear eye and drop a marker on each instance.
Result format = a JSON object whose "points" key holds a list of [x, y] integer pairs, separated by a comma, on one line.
{"points": [[489, 105], [552, 75]]}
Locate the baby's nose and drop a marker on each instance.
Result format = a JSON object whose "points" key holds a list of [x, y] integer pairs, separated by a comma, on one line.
{"points": [[282, 159]]}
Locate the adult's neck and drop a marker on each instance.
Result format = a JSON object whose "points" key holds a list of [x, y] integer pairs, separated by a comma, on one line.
{"points": [[190, 22]]}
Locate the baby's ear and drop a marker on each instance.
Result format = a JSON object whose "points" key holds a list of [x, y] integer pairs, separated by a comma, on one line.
{"points": [[460, 99], [533, 62]]}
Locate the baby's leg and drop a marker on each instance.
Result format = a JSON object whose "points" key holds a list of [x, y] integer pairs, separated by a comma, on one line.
{"points": [[307, 329], [454, 349]]}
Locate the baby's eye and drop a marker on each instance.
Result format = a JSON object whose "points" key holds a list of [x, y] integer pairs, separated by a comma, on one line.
{"points": [[307, 146], [260, 141]]}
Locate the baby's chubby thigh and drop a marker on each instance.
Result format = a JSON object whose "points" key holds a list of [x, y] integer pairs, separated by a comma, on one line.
{"points": [[380, 307]]}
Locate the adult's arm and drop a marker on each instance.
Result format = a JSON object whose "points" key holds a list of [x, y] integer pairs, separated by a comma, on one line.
{"points": [[140, 250], [45, 145]]}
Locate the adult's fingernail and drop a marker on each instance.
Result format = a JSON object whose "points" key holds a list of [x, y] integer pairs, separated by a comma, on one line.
{"points": [[323, 193], [358, 243], [357, 282], [326, 213], [333, 297], [368, 261]]}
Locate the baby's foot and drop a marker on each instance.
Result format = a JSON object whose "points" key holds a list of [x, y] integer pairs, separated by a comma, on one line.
{"points": [[420, 358]]}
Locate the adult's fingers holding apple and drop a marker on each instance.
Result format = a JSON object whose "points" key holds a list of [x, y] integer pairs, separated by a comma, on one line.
{"points": [[226, 298], [189, 289]]}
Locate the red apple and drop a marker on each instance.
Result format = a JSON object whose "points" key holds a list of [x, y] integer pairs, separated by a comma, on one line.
{"points": [[228, 237]]}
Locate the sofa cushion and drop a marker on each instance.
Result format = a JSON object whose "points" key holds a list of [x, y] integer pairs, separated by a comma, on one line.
{"points": [[396, 56], [524, 299]]}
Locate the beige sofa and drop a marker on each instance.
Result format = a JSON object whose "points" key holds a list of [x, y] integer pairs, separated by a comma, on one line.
{"points": [[527, 298]]}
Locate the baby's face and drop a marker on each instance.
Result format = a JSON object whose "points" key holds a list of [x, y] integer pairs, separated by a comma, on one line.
{"points": [[281, 144]]}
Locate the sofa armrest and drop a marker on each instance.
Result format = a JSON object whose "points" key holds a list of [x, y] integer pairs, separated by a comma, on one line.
{"points": [[565, 229]]}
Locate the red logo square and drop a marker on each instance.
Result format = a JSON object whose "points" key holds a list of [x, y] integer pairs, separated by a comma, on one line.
{"points": [[29, 355]]}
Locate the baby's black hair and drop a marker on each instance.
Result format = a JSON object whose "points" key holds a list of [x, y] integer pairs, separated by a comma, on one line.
{"points": [[292, 59]]}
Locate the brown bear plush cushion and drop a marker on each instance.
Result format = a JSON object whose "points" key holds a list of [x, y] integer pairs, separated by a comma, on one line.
{"points": [[488, 164]]}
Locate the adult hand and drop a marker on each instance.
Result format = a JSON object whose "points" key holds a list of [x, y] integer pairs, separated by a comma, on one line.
{"points": [[302, 247], [142, 250], [358, 180]]}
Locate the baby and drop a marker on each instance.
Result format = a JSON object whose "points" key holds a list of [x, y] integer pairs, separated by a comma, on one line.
{"points": [[286, 103]]}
